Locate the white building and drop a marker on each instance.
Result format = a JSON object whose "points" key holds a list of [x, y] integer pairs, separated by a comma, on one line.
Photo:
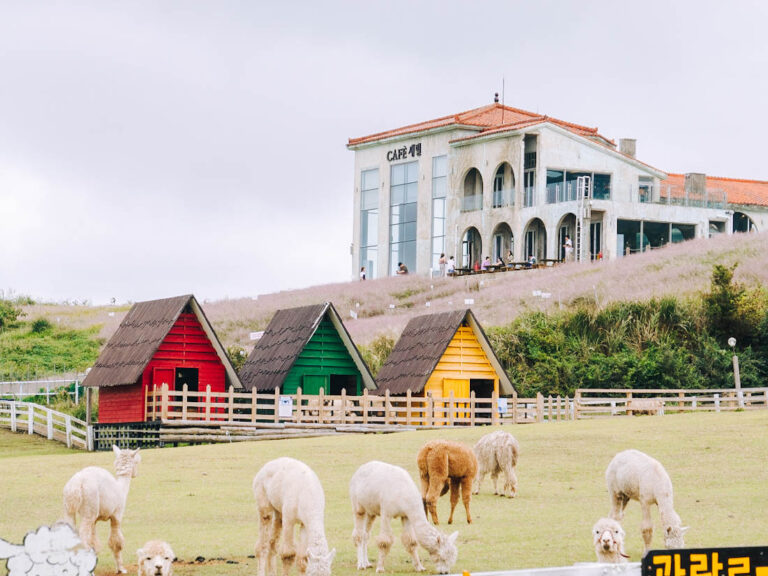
{"points": [[497, 179]]}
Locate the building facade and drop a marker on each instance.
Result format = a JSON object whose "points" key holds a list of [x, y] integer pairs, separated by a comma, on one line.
{"points": [[504, 183]]}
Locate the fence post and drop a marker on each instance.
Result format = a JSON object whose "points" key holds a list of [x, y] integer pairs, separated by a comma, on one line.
{"points": [[77, 393], [276, 413], [717, 402], [386, 406], [576, 403], [30, 418], [408, 407], [472, 408], [365, 406], [12, 406], [451, 407], [255, 404], [164, 402], [89, 438], [343, 405], [49, 424], [208, 403], [430, 409], [298, 405], [231, 404], [495, 407], [539, 407], [320, 406], [68, 428], [184, 401]]}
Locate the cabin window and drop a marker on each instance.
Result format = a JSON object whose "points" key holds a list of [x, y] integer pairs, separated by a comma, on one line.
{"points": [[188, 376]]}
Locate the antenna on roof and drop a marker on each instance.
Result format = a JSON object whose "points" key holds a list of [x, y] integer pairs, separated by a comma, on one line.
{"points": [[496, 98], [502, 99]]}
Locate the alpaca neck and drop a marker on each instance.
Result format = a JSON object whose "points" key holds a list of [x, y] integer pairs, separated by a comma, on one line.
{"points": [[124, 483], [426, 534]]}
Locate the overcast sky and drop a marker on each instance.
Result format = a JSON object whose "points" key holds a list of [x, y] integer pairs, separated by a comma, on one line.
{"points": [[150, 149]]}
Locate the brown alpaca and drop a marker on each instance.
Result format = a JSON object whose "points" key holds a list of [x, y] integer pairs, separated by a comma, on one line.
{"points": [[443, 465]]}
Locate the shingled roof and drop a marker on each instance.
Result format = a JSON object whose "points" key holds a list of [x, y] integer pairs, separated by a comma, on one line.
{"points": [[138, 337], [287, 334], [420, 347]]}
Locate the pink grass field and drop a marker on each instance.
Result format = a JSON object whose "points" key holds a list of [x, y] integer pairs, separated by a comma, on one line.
{"points": [[681, 270]]}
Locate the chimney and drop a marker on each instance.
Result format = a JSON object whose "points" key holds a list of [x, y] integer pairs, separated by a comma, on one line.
{"points": [[695, 184], [628, 146]]}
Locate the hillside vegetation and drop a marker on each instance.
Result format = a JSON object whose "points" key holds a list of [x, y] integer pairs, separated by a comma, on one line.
{"points": [[199, 498], [640, 321]]}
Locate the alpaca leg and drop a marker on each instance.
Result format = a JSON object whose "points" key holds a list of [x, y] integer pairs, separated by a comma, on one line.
{"points": [[411, 544], [647, 527], [424, 491], [301, 550], [116, 543], [264, 543], [88, 533], [510, 484], [618, 503], [360, 537], [478, 480], [466, 495], [384, 542], [454, 497], [432, 495], [495, 479], [287, 547]]}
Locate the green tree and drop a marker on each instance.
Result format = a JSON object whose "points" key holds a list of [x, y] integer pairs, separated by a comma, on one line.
{"points": [[9, 313]]}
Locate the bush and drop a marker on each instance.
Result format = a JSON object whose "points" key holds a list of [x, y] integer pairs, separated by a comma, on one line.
{"points": [[41, 325], [9, 313]]}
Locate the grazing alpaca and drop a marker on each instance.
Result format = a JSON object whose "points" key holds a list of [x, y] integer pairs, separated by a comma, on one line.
{"points": [[95, 494], [633, 475], [608, 538], [443, 465], [287, 493], [156, 559], [497, 453], [380, 489]]}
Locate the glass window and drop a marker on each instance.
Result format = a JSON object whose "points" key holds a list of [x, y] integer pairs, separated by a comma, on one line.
{"points": [[601, 187], [369, 220], [403, 198], [439, 192]]}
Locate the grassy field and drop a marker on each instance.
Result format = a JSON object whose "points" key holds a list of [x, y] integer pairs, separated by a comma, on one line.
{"points": [[199, 498]]}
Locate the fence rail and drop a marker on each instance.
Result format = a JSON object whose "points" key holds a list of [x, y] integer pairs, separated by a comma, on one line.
{"points": [[36, 419]]}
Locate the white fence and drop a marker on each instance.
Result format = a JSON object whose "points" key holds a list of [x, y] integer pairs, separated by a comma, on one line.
{"points": [[36, 419]]}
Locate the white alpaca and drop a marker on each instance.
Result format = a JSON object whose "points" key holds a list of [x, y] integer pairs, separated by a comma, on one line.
{"points": [[608, 539], [95, 495], [380, 489], [287, 493], [156, 559], [633, 475], [497, 454]]}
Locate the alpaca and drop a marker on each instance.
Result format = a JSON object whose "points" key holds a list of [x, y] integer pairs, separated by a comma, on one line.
{"points": [[633, 475], [95, 495], [380, 489], [443, 465], [156, 558], [497, 453], [608, 539], [287, 493]]}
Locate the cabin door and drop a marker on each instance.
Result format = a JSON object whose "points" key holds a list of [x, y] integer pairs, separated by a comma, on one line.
{"points": [[483, 389], [460, 389]]}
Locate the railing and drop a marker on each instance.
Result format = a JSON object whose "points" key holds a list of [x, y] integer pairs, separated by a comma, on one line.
{"points": [[595, 403], [503, 198], [529, 197], [471, 203], [36, 419], [678, 196], [21, 389]]}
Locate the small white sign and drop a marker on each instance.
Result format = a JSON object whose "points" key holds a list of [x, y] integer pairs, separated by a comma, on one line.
{"points": [[537, 292], [469, 301], [428, 304], [111, 314], [353, 314], [256, 335], [546, 295], [285, 407], [503, 407], [391, 306]]}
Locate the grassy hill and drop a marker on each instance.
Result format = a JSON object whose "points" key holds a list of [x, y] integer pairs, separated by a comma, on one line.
{"points": [[199, 498], [680, 270]]}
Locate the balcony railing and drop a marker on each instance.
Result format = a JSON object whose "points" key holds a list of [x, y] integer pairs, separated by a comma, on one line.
{"points": [[715, 198], [471, 203], [503, 198], [530, 196]]}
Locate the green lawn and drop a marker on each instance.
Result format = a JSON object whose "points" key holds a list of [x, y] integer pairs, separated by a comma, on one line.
{"points": [[199, 498]]}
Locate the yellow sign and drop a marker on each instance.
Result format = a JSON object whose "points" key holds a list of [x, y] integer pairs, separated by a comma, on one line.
{"points": [[751, 561]]}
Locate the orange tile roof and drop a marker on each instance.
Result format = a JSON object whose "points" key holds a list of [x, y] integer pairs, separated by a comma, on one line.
{"points": [[746, 192], [487, 119]]}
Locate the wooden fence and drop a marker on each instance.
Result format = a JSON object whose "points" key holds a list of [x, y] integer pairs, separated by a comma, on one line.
{"points": [[35, 419], [254, 407]]}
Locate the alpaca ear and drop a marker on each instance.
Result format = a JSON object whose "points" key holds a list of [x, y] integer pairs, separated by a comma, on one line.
{"points": [[140, 553], [684, 529], [115, 449], [331, 555], [452, 538]]}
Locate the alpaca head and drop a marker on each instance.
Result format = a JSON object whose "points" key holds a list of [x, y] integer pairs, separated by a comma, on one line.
{"points": [[673, 536], [319, 564], [608, 538], [446, 554], [156, 559], [126, 462]]}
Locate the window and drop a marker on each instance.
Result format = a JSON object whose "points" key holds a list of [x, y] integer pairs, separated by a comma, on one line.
{"points": [[562, 186], [439, 191], [403, 195], [369, 220]]}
